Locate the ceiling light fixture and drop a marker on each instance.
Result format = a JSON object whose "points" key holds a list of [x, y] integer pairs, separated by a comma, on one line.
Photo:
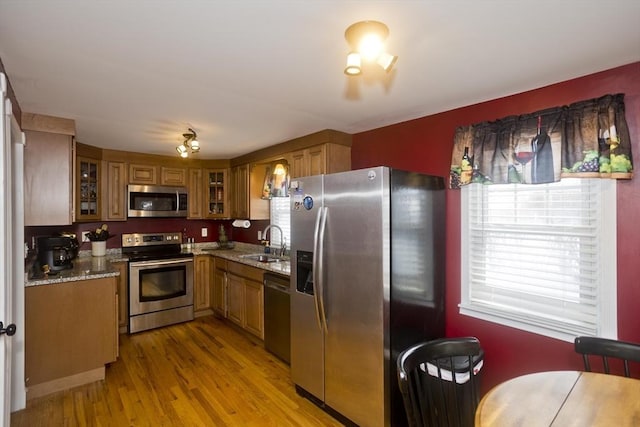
{"points": [[190, 144], [366, 39]]}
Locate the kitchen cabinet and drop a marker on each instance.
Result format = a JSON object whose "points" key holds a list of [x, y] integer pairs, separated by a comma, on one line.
{"points": [[123, 287], [245, 297], [254, 306], [173, 176], [240, 189], [219, 290], [48, 170], [203, 272], [115, 191], [235, 299], [320, 159], [143, 174], [71, 332], [196, 194], [88, 189], [247, 181], [217, 199]]}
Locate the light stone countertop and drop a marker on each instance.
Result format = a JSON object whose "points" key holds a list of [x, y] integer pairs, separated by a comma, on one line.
{"points": [[281, 267], [87, 267], [84, 268]]}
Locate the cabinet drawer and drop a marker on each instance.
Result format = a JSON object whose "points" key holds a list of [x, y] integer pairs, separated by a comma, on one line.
{"points": [[173, 176], [220, 263], [245, 271], [142, 174]]}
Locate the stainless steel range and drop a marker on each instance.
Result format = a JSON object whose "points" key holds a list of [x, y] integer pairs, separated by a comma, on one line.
{"points": [[160, 280]]}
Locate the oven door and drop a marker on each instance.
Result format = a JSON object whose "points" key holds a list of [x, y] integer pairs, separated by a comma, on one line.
{"points": [[157, 285]]}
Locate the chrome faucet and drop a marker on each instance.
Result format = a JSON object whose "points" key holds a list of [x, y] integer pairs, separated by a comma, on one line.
{"points": [[283, 245]]}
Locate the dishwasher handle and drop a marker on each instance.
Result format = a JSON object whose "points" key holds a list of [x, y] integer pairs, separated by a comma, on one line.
{"points": [[276, 283]]}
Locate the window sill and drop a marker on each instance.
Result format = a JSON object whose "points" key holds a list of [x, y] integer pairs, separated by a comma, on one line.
{"points": [[493, 317]]}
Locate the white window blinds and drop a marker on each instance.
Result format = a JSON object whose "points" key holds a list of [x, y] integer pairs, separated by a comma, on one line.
{"points": [[280, 216], [541, 257]]}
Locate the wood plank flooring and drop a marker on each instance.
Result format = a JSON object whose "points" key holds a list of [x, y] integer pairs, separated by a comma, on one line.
{"points": [[200, 373]]}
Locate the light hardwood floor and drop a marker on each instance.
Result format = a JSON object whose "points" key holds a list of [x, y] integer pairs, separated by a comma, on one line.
{"points": [[200, 373]]}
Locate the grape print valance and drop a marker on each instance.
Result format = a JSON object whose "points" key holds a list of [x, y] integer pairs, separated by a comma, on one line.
{"points": [[585, 139]]}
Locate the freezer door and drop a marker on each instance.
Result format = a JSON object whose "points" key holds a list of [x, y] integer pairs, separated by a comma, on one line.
{"points": [[357, 283], [307, 340]]}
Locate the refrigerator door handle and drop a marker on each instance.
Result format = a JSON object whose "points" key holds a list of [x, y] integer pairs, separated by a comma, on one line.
{"points": [[321, 236], [314, 267]]}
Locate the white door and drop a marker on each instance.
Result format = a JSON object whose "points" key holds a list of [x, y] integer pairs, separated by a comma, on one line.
{"points": [[11, 259]]}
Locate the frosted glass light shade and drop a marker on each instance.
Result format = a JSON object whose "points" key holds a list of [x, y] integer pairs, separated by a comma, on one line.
{"points": [[354, 64], [386, 61]]}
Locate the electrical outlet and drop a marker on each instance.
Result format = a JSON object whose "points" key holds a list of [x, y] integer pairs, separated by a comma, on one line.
{"points": [[259, 234], [205, 232], [85, 238]]}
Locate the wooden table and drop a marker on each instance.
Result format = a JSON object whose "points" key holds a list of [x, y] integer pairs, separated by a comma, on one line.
{"points": [[562, 398]]}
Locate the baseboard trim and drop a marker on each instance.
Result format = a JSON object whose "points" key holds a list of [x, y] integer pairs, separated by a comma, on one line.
{"points": [[65, 383]]}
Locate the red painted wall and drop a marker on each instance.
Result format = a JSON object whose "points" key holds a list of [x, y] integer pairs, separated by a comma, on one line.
{"points": [[190, 228], [425, 145]]}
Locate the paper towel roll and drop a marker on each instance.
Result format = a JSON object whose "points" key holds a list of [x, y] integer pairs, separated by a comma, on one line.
{"points": [[241, 223]]}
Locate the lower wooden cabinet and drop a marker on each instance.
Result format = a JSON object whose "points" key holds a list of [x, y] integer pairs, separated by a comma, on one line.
{"points": [[219, 289], [203, 272], [71, 332], [244, 298], [254, 307], [123, 300]]}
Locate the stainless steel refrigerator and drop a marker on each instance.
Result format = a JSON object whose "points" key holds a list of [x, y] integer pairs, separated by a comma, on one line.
{"points": [[367, 281]]}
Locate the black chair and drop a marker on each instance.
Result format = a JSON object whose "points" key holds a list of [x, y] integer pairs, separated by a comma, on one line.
{"points": [[434, 394], [606, 348]]}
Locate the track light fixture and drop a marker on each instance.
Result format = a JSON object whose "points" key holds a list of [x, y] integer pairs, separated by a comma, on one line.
{"points": [[366, 40], [190, 144]]}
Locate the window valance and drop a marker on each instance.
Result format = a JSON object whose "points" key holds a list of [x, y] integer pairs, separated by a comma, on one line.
{"points": [[585, 139]]}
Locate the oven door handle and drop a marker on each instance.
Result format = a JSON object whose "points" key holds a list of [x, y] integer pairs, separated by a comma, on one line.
{"points": [[159, 262]]}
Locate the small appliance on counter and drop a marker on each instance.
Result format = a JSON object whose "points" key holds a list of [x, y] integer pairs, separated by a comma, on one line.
{"points": [[57, 251]]}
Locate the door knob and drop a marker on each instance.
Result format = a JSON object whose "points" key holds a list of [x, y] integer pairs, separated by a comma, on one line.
{"points": [[9, 330]]}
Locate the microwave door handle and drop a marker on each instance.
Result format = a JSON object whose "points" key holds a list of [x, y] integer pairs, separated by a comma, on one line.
{"points": [[321, 235], [177, 201], [315, 267]]}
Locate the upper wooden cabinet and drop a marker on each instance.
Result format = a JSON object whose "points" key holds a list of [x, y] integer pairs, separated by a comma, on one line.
{"points": [[48, 170], [195, 185], [246, 192], [143, 174], [88, 189], [320, 159], [173, 176], [216, 195], [239, 186], [114, 200]]}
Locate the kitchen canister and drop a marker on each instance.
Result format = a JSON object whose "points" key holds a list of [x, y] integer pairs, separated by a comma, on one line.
{"points": [[99, 248]]}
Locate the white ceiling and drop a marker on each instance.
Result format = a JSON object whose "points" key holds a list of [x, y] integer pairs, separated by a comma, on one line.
{"points": [[246, 74]]}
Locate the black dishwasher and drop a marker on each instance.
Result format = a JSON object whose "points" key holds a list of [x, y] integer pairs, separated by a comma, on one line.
{"points": [[277, 316]]}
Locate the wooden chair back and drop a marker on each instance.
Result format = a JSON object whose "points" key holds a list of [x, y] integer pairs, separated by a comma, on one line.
{"points": [[607, 349]]}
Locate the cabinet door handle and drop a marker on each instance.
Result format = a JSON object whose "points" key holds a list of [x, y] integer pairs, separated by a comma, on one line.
{"points": [[9, 330]]}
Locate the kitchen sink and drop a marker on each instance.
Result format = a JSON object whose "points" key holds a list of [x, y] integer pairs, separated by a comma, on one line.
{"points": [[263, 257]]}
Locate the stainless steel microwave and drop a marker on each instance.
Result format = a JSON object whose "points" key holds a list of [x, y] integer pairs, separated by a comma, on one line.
{"points": [[156, 201]]}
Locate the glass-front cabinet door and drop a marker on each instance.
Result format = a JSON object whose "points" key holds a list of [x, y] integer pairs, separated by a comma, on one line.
{"points": [[216, 194], [88, 189]]}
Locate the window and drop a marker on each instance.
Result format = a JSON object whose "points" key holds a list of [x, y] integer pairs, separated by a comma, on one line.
{"points": [[281, 216], [541, 257]]}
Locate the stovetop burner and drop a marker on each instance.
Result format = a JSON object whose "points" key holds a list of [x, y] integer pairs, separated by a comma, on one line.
{"points": [[151, 246]]}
